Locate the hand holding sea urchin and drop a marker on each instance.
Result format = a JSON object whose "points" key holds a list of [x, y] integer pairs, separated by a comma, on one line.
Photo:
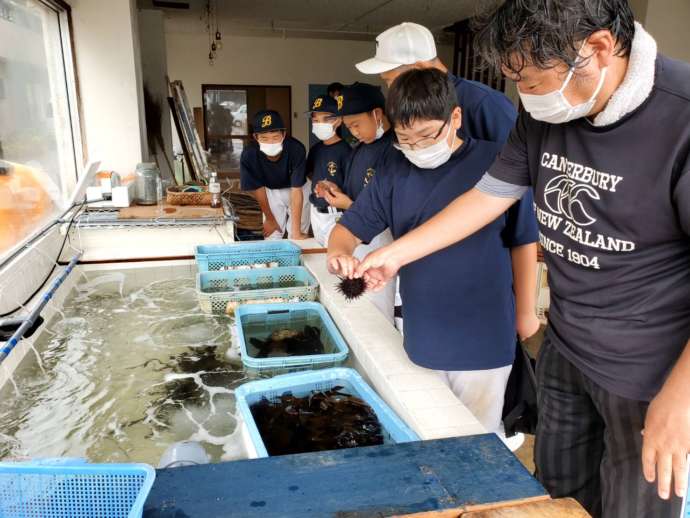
{"points": [[351, 288]]}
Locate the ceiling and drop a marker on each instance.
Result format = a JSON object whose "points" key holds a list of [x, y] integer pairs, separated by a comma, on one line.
{"points": [[341, 19]]}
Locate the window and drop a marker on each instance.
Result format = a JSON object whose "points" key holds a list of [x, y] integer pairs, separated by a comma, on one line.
{"points": [[39, 137], [228, 112], [466, 61]]}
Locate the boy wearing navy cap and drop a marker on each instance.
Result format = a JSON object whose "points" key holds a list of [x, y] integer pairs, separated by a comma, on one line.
{"points": [[362, 107], [274, 171], [461, 302], [326, 162]]}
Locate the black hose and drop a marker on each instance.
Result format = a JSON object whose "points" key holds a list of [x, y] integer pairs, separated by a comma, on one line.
{"points": [[69, 226]]}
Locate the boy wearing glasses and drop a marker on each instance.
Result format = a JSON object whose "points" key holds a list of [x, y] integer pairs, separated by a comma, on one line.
{"points": [[462, 303]]}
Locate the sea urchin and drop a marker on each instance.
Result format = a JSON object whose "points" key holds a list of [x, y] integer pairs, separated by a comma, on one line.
{"points": [[351, 288]]}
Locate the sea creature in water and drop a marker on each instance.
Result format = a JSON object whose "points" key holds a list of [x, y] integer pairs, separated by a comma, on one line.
{"points": [[289, 342], [190, 376], [351, 288], [321, 420]]}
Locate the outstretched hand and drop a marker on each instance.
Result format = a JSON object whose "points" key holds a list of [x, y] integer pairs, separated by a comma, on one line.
{"points": [[379, 267]]}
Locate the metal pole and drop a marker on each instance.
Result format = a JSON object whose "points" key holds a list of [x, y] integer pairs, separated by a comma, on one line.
{"points": [[19, 333]]}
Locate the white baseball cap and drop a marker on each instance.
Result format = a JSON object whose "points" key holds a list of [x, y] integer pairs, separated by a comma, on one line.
{"points": [[403, 44]]}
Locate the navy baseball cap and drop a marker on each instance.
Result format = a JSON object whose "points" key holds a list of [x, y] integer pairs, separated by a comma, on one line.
{"points": [[360, 98], [268, 120], [325, 104]]}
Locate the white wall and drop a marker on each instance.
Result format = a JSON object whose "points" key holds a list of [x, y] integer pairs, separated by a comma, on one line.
{"points": [[669, 22], [154, 67], [108, 69], [253, 60]]}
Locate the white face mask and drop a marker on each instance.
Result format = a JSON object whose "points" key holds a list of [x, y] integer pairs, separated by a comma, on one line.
{"points": [[433, 156], [322, 130], [379, 127], [555, 108], [271, 149]]}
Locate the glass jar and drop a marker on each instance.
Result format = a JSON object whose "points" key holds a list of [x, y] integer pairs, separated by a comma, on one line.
{"points": [[147, 183]]}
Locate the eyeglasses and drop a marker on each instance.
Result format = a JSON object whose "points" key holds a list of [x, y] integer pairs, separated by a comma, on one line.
{"points": [[422, 143]]}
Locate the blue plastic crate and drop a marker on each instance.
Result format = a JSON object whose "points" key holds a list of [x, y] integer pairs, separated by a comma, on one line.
{"points": [[216, 289], [219, 257], [294, 316], [73, 488], [302, 383]]}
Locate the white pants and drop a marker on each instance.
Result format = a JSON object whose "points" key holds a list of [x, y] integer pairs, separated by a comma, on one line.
{"points": [[384, 300], [323, 223], [482, 392], [279, 201]]}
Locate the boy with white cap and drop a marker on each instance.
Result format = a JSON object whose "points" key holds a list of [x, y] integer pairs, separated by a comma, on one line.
{"points": [[486, 113]]}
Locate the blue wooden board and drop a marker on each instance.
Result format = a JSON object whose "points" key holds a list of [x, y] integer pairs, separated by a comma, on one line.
{"points": [[359, 482]]}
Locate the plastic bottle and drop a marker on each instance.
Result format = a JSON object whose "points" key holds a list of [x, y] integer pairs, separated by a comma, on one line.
{"points": [[214, 189]]}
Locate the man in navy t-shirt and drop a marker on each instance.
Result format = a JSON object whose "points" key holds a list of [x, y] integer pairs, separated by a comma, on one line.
{"points": [[274, 171], [487, 114], [326, 164], [460, 311], [604, 142]]}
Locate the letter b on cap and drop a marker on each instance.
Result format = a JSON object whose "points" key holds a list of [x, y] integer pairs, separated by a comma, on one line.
{"points": [[266, 121]]}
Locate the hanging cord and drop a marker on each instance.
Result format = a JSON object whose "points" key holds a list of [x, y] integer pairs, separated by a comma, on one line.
{"points": [[55, 263]]}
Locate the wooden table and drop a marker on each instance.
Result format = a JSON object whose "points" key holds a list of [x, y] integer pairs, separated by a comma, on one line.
{"points": [[356, 483], [169, 212]]}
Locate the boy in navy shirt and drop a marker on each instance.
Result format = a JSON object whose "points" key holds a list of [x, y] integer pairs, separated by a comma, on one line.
{"points": [[274, 171], [460, 308], [326, 161], [362, 107], [487, 114]]}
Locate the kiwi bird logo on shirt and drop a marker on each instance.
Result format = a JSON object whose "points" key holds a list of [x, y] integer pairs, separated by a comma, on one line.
{"points": [[339, 99], [317, 103], [332, 168], [266, 121], [369, 175], [564, 196]]}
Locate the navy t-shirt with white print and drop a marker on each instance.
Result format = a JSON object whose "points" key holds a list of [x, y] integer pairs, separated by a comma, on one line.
{"points": [[327, 162], [257, 171], [487, 114], [364, 162], [459, 304], [613, 205]]}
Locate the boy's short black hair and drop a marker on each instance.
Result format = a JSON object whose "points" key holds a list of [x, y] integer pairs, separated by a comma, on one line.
{"points": [[420, 94], [545, 33], [334, 87]]}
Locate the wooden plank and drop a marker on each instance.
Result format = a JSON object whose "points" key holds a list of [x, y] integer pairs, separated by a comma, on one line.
{"points": [[169, 212], [535, 507], [199, 124], [459, 512], [375, 481], [562, 508]]}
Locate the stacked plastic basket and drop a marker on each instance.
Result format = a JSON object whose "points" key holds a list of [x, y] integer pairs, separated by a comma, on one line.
{"points": [[267, 291], [54, 488]]}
